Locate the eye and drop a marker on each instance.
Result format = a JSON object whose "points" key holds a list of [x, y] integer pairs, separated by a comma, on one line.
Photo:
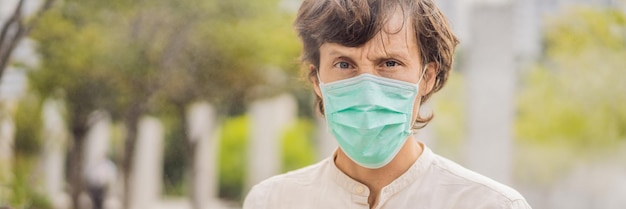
{"points": [[342, 65], [391, 63]]}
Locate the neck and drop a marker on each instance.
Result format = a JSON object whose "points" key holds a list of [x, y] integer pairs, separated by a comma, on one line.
{"points": [[376, 179]]}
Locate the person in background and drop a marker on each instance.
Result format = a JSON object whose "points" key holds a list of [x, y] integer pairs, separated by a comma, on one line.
{"points": [[372, 64], [100, 177]]}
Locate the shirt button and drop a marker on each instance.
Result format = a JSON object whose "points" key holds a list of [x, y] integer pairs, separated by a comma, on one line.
{"points": [[359, 189]]}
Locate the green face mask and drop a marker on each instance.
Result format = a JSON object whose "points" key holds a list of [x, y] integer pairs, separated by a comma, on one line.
{"points": [[370, 116]]}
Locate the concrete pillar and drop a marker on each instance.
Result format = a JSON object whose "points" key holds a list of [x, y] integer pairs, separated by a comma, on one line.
{"points": [[326, 143], [98, 138], [491, 89], [426, 135], [53, 153], [268, 120], [202, 127], [99, 170], [148, 165], [528, 25], [7, 133]]}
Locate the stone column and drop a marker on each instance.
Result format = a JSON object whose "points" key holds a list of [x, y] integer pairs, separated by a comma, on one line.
{"points": [[98, 137], [268, 120], [53, 154], [148, 165], [426, 135], [99, 170], [528, 24], [7, 133], [202, 128], [491, 89], [326, 143]]}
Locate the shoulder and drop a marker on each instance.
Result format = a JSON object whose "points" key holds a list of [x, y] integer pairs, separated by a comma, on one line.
{"points": [[261, 195], [476, 187]]}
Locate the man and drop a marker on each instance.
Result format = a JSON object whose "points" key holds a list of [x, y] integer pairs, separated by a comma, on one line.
{"points": [[100, 178], [372, 64]]}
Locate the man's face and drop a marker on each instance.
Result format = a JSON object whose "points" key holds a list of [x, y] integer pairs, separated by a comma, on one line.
{"points": [[392, 53]]}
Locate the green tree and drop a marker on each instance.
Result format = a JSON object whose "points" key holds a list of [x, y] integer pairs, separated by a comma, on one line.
{"points": [[71, 56], [28, 143], [233, 155], [135, 58], [219, 55], [572, 100], [298, 146]]}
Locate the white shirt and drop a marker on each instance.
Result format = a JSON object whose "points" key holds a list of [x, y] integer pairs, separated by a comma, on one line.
{"points": [[432, 182]]}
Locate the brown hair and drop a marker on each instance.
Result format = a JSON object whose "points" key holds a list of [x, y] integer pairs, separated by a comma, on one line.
{"points": [[353, 23]]}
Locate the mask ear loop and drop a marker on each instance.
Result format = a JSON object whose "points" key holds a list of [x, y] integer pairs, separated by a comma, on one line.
{"points": [[414, 131], [319, 80], [421, 77]]}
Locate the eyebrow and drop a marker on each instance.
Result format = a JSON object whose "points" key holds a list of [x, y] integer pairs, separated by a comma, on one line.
{"points": [[335, 53], [388, 53]]}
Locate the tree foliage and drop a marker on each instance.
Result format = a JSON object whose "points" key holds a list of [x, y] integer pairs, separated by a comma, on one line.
{"points": [[232, 155], [179, 51], [28, 125], [297, 145], [72, 53], [575, 95], [138, 57]]}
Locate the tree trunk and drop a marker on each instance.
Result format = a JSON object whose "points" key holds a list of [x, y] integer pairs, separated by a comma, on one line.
{"points": [[132, 129], [10, 35], [76, 158], [15, 29]]}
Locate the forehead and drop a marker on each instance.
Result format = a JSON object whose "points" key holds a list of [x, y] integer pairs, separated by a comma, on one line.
{"points": [[397, 36], [398, 31]]}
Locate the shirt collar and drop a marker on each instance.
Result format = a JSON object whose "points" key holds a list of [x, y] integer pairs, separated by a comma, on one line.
{"points": [[360, 192]]}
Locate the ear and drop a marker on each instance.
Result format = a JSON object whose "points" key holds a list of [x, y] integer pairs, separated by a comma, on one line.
{"points": [[430, 76], [314, 79]]}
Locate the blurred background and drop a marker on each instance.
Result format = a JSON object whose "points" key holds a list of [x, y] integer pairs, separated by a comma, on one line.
{"points": [[185, 104]]}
